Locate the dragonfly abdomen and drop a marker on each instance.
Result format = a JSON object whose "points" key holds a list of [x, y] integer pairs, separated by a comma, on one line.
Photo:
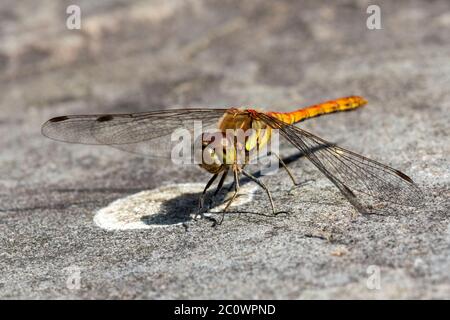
{"points": [[341, 104]]}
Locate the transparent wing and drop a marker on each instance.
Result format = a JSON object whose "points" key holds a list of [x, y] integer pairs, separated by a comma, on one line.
{"points": [[366, 183], [147, 133]]}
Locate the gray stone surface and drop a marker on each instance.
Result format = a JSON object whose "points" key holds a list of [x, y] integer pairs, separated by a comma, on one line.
{"points": [[143, 55]]}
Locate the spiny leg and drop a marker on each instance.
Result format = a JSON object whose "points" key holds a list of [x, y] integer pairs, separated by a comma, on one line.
{"points": [[236, 189], [221, 181], [232, 184], [219, 187], [287, 170], [202, 197], [263, 186], [285, 167]]}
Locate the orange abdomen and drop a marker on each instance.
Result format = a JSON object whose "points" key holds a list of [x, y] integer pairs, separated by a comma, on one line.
{"points": [[341, 104]]}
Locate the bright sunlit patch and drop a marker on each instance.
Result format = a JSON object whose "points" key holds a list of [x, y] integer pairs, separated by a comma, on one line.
{"points": [[161, 207]]}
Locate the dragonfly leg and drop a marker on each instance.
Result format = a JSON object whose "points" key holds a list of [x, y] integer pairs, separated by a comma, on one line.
{"points": [[285, 168], [288, 171], [221, 181], [232, 184], [236, 189], [202, 197], [263, 186], [219, 187]]}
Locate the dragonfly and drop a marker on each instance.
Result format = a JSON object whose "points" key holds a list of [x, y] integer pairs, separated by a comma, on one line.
{"points": [[367, 184]]}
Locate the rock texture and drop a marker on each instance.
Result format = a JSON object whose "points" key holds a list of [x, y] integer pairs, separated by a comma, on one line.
{"points": [[134, 56]]}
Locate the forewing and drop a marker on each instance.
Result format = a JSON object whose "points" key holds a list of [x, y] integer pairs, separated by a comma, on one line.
{"points": [[147, 133], [367, 184]]}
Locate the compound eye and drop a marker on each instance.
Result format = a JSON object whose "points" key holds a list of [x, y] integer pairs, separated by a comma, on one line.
{"points": [[210, 156]]}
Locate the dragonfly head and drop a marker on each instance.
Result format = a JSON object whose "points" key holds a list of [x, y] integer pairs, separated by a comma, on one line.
{"points": [[213, 152]]}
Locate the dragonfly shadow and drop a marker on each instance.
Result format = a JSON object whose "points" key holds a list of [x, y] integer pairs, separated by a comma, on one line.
{"points": [[183, 208], [174, 211], [180, 209]]}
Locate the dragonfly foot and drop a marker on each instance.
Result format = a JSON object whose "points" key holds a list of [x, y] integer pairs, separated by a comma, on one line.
{"points": [[214, 221], [302, 183], [200, 213], [298, 185]]}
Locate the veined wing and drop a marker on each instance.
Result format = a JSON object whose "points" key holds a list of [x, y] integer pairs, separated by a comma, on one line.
{"points": [[146, 133], [366, 183]]}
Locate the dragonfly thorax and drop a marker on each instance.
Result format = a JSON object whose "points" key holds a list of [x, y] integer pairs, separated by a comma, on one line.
{"points": [[237, 141]]}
